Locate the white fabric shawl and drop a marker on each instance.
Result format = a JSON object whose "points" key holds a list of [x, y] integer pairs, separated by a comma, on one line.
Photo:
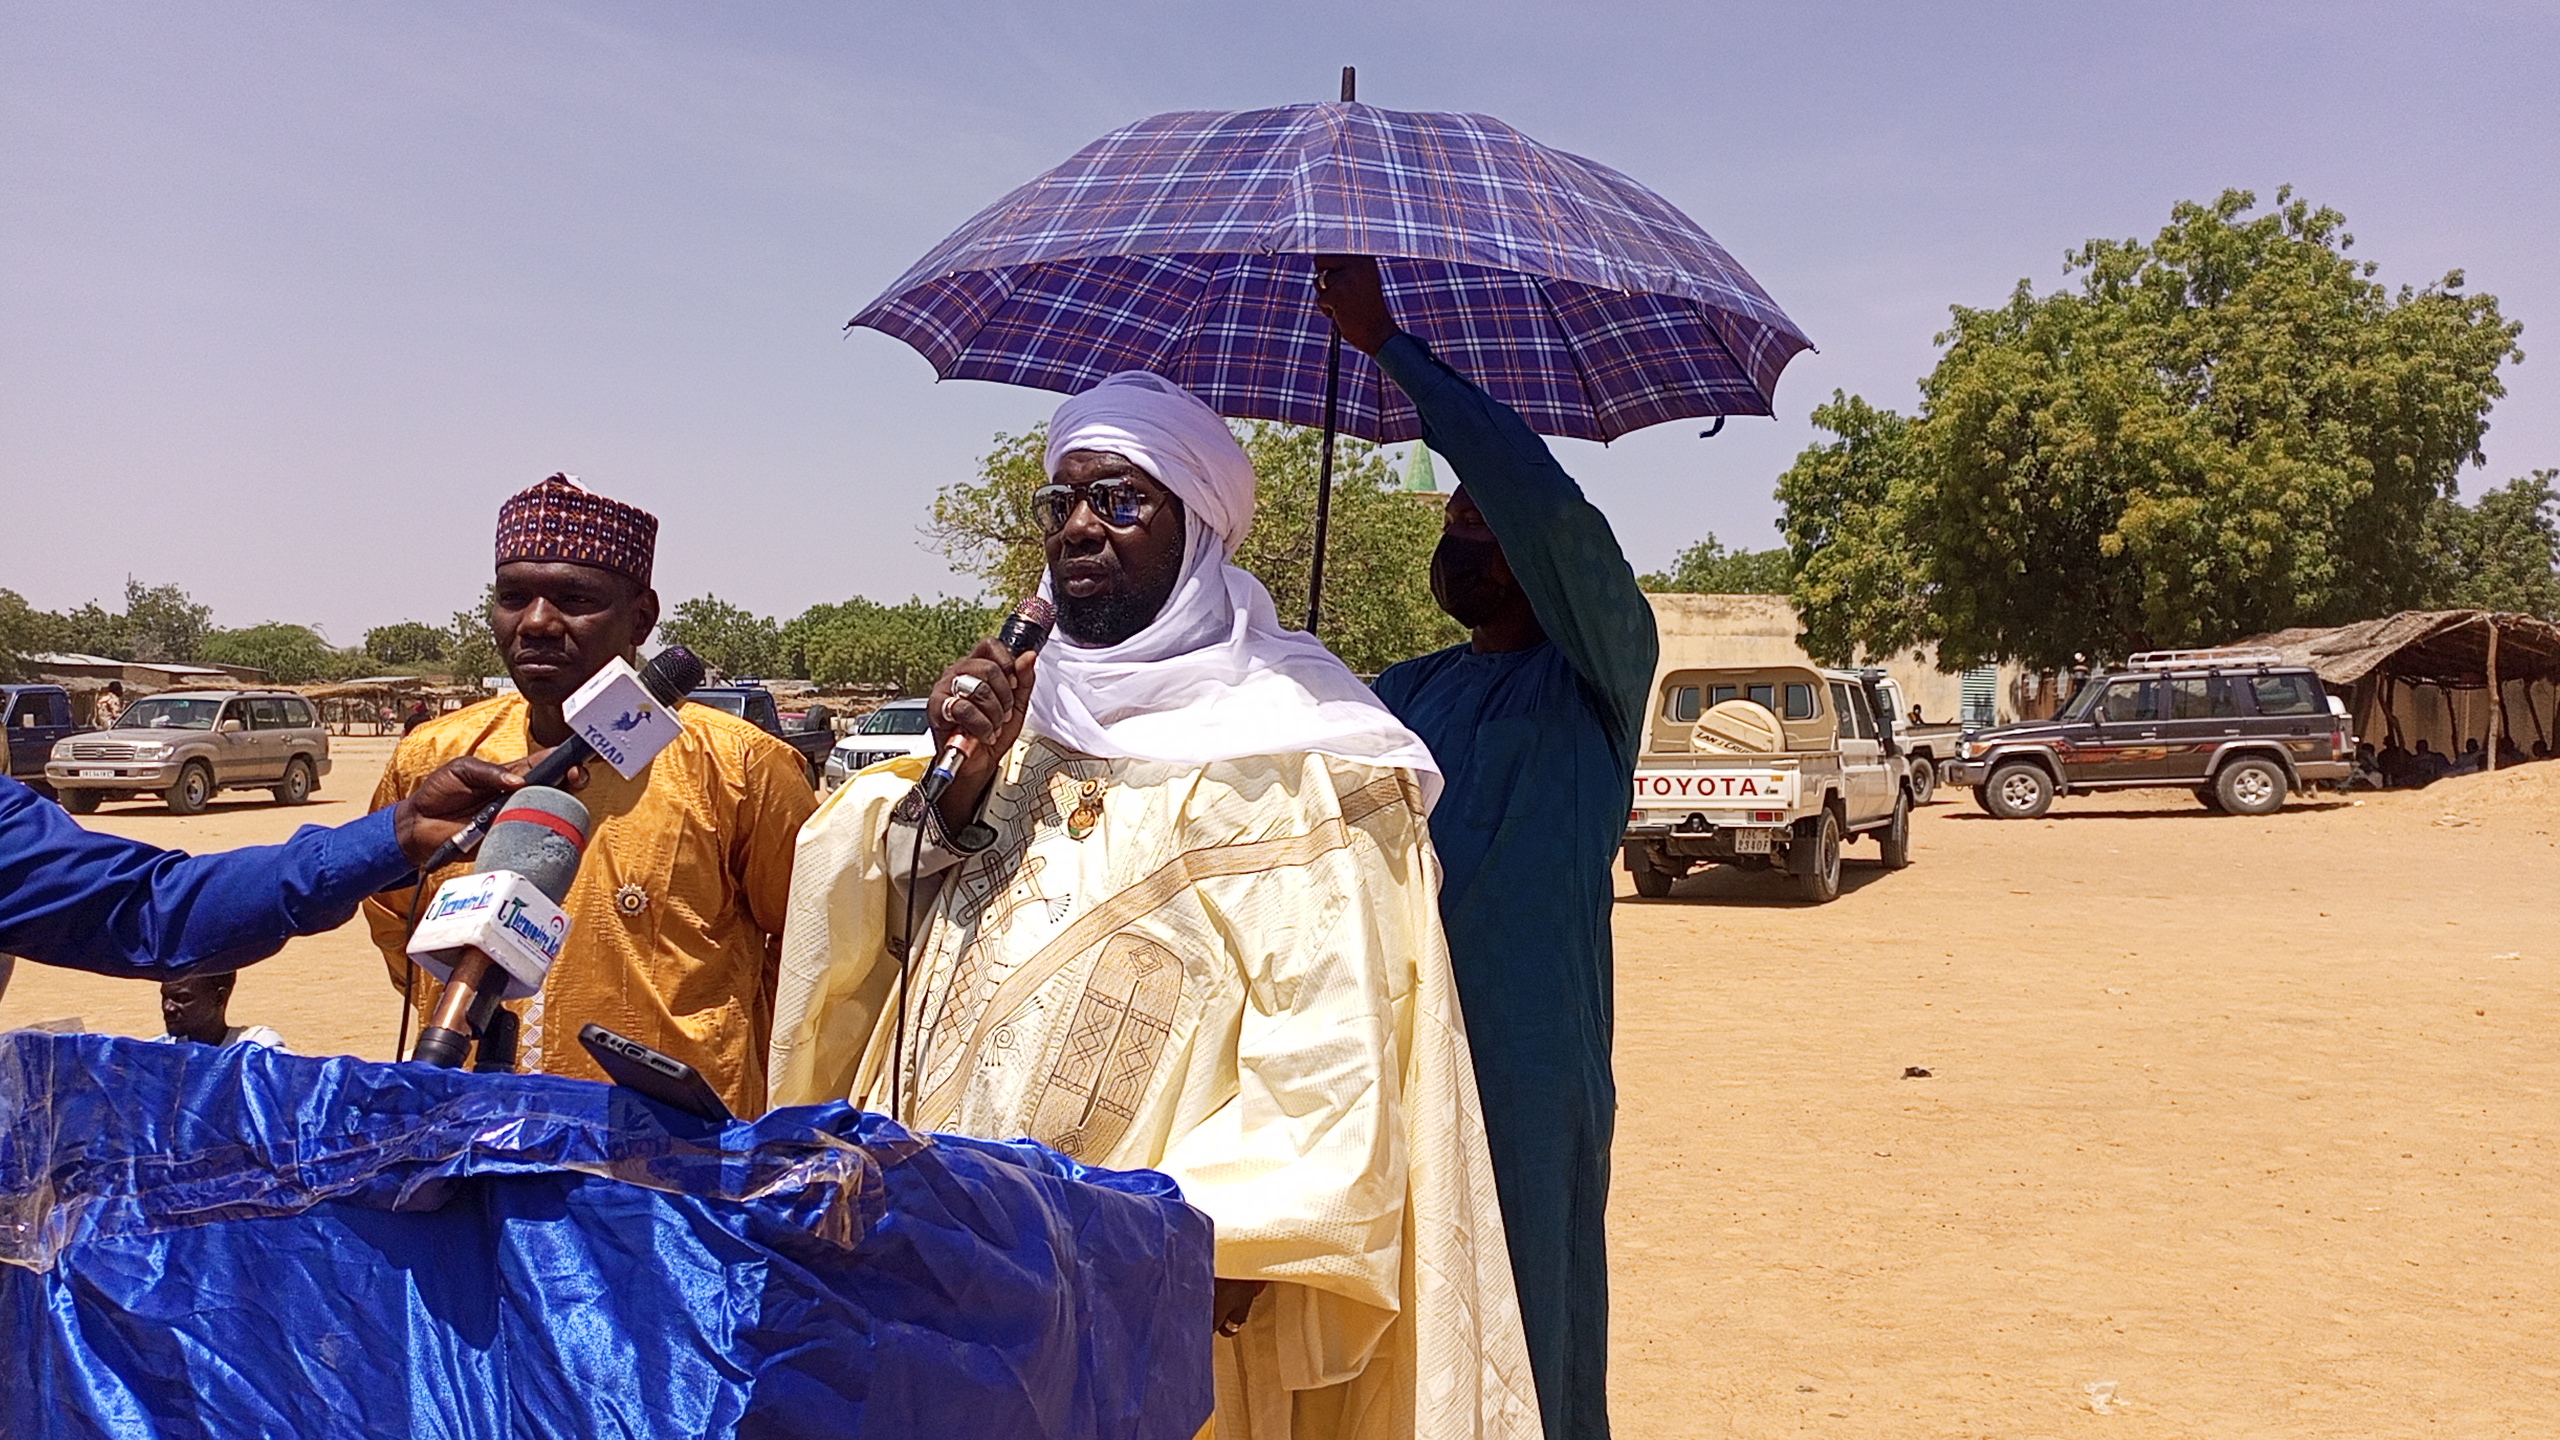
{"points": [[1213, 676]]}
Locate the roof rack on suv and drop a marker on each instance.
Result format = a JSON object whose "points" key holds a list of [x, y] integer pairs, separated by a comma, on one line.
{"points": [[2210, 655]]}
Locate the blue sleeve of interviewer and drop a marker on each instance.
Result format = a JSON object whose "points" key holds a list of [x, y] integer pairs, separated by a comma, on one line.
{"points": [[75, 898]]}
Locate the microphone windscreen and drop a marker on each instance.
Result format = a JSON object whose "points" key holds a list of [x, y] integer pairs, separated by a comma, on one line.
{"points": [[674, 673], [539, 834]]}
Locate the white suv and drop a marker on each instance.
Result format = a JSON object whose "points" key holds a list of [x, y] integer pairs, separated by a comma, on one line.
{"points": [[895, 729]]}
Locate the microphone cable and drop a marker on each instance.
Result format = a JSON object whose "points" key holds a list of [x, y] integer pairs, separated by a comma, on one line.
{"points": [[409, 967]]}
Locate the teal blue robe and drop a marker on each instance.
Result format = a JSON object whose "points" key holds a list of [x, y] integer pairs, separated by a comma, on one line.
{"points": [[1538, 747]]}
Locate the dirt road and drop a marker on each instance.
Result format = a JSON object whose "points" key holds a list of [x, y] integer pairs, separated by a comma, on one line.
{"points": [[2232, 1127]]}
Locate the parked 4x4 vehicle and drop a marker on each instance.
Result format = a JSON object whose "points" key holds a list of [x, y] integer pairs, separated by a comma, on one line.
{"points": [[188, 745], [1764, 765], [755, 704], [2241, 728], [895, 729], [38, 718]]}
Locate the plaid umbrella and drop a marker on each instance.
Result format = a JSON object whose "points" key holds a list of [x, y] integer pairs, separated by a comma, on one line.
{"points": [[1183, 244]]}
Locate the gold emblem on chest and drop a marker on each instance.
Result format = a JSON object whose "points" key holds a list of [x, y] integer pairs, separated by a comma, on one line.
{"points": [[630, 899]]}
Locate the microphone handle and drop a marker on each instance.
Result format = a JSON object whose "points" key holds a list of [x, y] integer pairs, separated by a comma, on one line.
{"points": [[447, 1035], [1020, 635], [554, 768]]}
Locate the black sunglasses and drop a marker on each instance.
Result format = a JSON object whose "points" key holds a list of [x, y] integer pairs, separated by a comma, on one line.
{"points": [[1116, 503]]}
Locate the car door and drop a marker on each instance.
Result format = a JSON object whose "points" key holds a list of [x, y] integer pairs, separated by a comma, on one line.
{"points": [[1861, 754], [235, 744], [29, 741], [2203, 715], [2123, 744]]}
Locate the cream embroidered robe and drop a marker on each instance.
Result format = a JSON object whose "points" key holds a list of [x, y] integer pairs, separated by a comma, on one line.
{"points": [[1233, 973]]}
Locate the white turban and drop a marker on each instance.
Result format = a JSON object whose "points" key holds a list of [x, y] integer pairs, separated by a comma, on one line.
{"points": [[1213, 676], [1169, 433]]}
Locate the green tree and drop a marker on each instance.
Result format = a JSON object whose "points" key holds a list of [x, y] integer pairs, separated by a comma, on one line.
{"points": [[2232, 428], [1857, 581], [164, 622], [863, 642], [409, 642], [470, 646], [24, 630], [1708, 568], [1378, 607], [2502, 553], [730, 639], [290, 654]]}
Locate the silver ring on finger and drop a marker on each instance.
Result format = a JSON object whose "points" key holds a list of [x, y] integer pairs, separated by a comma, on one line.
{"points": [[947, 702], [967, 684]]}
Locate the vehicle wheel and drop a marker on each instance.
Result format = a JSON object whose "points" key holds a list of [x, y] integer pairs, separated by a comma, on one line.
{"points": [[2211, 801], [2250, 785], [1814, 858], [1893, 842], [1924, 780], [193, 791], [298, 783], [2019, 790], [1652, 882], [79, 802]]}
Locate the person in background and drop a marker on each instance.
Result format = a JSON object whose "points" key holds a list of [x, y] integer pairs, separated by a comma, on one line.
{"points": [[109, 707], [197, 1008], [675, 921], [1535, 721], [418, 715]]}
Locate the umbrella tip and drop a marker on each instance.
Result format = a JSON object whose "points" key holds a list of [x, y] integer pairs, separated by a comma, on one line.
{"points": [[1350, 83]]}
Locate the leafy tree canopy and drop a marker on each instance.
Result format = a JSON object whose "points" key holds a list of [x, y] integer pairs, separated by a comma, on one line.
{"points": [[729, 638], [408, 642], [1708, 568], [863, 642], [2232, 428], [1377, 606], [2501, 552], [290, 654]]}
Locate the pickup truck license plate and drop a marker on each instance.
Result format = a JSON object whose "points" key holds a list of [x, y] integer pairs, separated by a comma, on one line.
{"points": [[97, 774], [1751, 842]]}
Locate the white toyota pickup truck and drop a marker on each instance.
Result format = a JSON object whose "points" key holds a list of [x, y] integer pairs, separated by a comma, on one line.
{"points": [[1767, 765]]}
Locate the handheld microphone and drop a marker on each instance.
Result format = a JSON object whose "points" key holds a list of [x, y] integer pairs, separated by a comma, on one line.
{"points": [[668, 679], [492, 934], [1024, 632]]}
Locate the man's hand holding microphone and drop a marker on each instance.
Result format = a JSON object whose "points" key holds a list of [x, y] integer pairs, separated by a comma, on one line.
{"points": [[976, 712]]}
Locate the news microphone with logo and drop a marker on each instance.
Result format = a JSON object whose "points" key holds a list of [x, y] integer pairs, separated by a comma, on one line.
{"points": [[1024, 632], [611, 717], [492, 935]]}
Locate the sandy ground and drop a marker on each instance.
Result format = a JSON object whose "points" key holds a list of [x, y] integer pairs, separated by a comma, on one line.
{"points": [[2232, 1127]]}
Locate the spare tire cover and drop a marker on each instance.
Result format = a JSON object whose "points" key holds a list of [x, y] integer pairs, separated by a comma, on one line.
{"points": [[1738, 727]]}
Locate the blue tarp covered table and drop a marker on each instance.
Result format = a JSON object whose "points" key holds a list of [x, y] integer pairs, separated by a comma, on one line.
{"points": [[201, 1242]]}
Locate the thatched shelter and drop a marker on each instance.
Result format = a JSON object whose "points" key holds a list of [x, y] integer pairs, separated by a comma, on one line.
{"points": [[2445, 676], [375, 704]]}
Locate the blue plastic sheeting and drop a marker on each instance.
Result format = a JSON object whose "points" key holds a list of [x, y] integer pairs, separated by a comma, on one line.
{"points": [[199, 1242]]}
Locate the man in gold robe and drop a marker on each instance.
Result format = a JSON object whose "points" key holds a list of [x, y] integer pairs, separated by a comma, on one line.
{"points": [[676, 916], [1178, 910]]}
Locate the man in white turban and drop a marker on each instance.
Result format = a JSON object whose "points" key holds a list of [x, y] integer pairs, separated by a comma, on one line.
{"points": [[1179, 910]]}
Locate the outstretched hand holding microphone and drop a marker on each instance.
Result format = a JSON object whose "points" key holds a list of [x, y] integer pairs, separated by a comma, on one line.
{"points": [[976, 711]]}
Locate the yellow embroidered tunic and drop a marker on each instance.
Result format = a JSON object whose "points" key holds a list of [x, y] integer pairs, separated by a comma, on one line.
{"points": [[1232, 973], [673, 919]]}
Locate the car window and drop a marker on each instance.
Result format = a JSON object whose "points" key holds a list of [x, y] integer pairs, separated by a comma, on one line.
{"points": [[1764, 696], [727, 701], [1683, 703], [158, 714], [297, 713], [1865, 718], [1799, 701], [2130, 700], [2295, 694], [23, 711], [2202, 697], [266, 714], [1718, 694], [235, 710], [899, 720]]}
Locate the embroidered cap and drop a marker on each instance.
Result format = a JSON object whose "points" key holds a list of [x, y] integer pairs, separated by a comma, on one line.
{"points": [[561, 520]]}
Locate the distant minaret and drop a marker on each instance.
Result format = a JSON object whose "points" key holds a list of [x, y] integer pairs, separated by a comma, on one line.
{"points": [[1420, 478]]}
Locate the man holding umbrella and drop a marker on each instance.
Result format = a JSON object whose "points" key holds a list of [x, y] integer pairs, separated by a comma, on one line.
{"points": [[1535, 723]]}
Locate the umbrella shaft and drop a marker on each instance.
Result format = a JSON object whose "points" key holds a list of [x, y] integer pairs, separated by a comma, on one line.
{"points": [[1324, 478]]}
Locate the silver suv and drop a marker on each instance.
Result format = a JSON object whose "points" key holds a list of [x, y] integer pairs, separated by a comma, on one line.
{"points": [[187, 745]]}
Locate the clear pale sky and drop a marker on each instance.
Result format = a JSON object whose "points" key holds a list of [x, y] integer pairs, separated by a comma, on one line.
{"points": [[292, 295]]}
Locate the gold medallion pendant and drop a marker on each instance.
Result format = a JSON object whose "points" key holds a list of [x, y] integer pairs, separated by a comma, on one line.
{"points": [[1088, 811]]}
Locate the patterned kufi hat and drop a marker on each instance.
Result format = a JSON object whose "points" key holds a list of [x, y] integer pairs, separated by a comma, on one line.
{"points": [[561, 520]]}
